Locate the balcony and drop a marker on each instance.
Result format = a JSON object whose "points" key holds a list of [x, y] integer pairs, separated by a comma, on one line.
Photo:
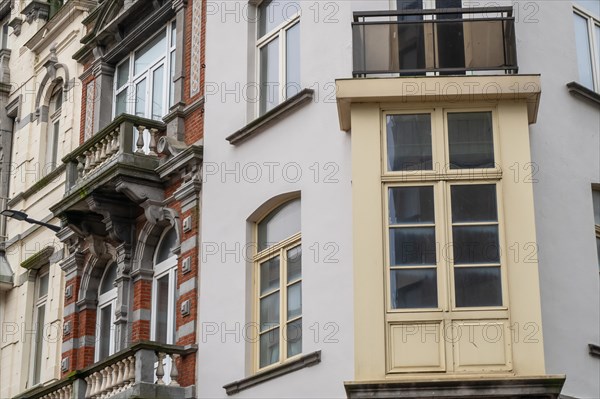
{"points": [[440, 41], [138, 371]]}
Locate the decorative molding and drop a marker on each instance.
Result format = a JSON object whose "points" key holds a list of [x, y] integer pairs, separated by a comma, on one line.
{"points": [[287, 107], [40, 184], [39, 259], [16, 24], [583, 92], [89, 109], [285, 368], [195, 65], [35, 10]]}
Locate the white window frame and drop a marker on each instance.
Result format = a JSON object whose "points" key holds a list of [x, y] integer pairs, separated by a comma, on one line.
{"points": [[37, 352], [279, 32], [594, 44], [53, 130], [133, 79], [108, 299]]}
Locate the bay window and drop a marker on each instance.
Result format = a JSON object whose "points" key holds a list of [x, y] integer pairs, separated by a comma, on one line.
{"points": [[278, 47], [278, 270]]}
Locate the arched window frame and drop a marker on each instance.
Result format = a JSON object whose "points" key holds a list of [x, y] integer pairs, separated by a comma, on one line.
{"points": [[106, 300], [286, 251], [53, 128]]}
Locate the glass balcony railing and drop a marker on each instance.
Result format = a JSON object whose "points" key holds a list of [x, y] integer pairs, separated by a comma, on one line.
{"points": [[440, 41]]}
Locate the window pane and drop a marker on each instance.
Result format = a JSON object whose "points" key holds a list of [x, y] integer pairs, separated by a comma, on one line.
{"points": [[171, 82], [43, 289], [596, 203], [140, 98], [110, 275], [474, 203], [412, 246], [105, 330], [409, 142], [293, 61], [475, 244], [39, 343], [598, 249], [162, 309], [584, 58], [269, 76], [269, 348], [122, 74], [5, 36], [173, 33], [269, 275], [166, 246], [280, 224], [471, 140], [121, 107], [411, 205], [293, 337], [158, 82], [414, 288], [271, 14], [150, 53], [269, 311], [478, 286], [294, 264], [54, 144], [294, 306]]}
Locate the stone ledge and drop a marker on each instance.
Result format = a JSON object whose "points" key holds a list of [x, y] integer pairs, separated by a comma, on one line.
{"points": [[582, 91], [287, 107], [539, 387], [285, 368]]}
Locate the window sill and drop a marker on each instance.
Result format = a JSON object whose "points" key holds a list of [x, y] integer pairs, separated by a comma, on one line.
{"points": [[582, 91], [304, 361], [594, 350], [287, 107]]}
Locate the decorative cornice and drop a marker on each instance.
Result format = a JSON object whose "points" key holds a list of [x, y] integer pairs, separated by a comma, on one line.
{"points": [[35, 10], [39, 259]]}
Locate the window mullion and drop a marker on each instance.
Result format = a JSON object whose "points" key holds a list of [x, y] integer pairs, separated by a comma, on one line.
{"points": [[282, 56], [283, 304]]}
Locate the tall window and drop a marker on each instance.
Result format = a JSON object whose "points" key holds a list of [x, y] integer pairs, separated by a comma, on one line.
{"points": [[53, 128], [143, 82], [443, 211], [596, 202], [107, 299], [164, 284], [278, 51], [39, 319], [4, 36], [278, 270], [587, 42]]}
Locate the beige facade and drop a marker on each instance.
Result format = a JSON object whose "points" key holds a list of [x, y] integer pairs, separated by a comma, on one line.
{"points": [[44, 106]]}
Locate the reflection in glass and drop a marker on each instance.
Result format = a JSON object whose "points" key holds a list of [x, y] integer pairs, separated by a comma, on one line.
{"points": [[280, 224], [294, 301], [269, 348], [476, 244], [269, 275], [292, 61], [269, 311], [106, 319], [150, 53], [269, 76], [411, 205], [470, 139], [293, 337], [412, 246], [474, 203], [162, 308], [409, 142], [157, 93], [478, 286], [584, 58], [294, 264], [140, 98], [414, 288]]}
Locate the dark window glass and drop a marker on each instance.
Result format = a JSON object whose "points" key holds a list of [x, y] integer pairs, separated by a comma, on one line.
{"points": [[471, 140], [414, 288], [478, 286], [409, 142]]}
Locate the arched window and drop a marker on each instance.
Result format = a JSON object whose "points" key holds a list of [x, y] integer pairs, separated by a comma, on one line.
{"points": [[107, 298], [53, 129], [163, 289], [278, 271]]}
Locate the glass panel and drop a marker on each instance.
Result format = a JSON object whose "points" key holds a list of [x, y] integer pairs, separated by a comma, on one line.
{"points": [[450, 43], [269, 311], [478, 286], [39, 344], [162, 309], [597, 52], [269, 348], [409, 142], [489, 52], [294, 308], [596, 204], [412, 246], [122, 74], [294, 264], [269, 275], [271, 14], [269, 76], [150, 53], [293, 337], [43, 289], [140, 98], [5, 36], [598, 249], [173, 33], [121, 107], [110, 275], [475, 244], [106, 318], [411, 205], [474, 203], [471, 140], [584, 58], [171, 82], [292, 61], [280, 224], [166, 246], [54, 145], [158, 108], [414, 288]]}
